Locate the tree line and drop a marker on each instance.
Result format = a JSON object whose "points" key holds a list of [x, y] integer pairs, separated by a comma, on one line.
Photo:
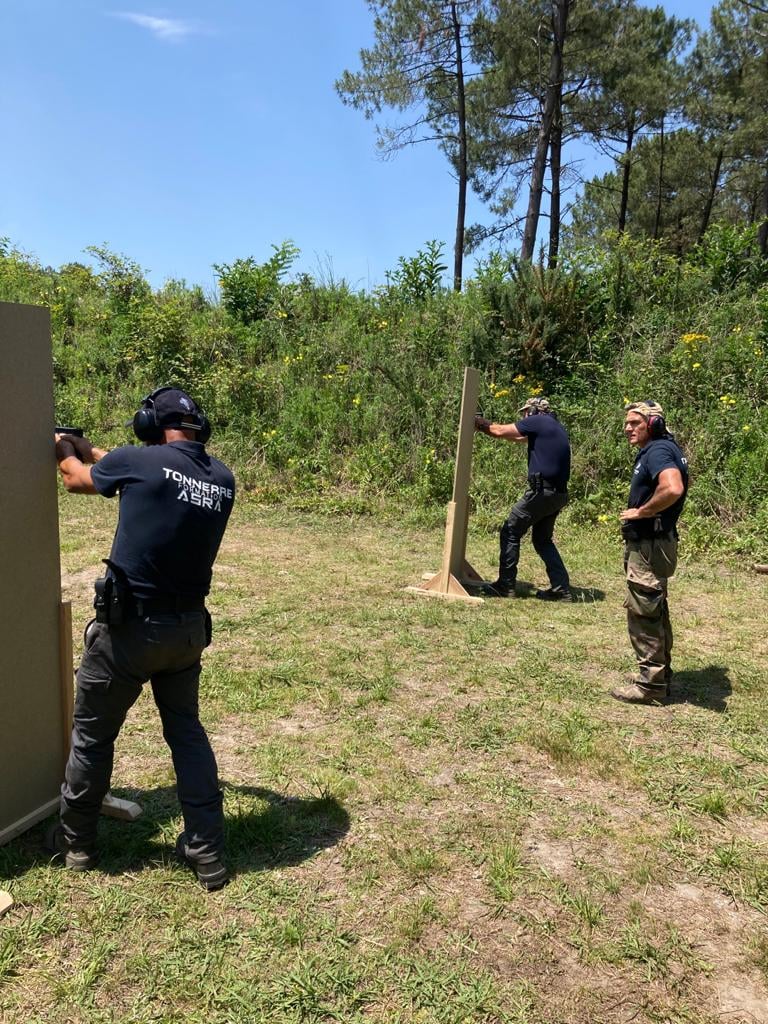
{"points": [[519, 93]]}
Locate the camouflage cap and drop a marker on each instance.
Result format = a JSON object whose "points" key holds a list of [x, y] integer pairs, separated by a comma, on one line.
{"points": [[536, 405], [646, 408]]}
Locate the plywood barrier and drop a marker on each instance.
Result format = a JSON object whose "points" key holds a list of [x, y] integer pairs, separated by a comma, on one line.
{"points": [[456, 572], [36, 681]]}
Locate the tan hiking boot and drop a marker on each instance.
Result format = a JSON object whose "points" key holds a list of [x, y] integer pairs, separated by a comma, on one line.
{"points": [[634, 693]]}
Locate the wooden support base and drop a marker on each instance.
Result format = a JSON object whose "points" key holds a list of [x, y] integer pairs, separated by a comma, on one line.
{"points": [[450, 588], [760, 567], [6, 902], [125, 810]]}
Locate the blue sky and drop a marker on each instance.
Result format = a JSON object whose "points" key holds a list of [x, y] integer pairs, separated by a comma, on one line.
{"points": [[190, 133]]}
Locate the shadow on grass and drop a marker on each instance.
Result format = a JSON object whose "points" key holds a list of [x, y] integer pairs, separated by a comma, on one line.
{"points": [[263, 830], [525, 590], [707, 687], [580, 595]]}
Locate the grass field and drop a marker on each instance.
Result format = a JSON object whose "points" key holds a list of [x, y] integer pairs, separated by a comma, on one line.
{"points": [[436, 813]]}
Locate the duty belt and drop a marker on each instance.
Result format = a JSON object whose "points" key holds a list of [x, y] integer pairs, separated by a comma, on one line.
{"points": [[539, 483], [166, 604]]}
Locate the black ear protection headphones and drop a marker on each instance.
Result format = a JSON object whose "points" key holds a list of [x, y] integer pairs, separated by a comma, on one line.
{"points": [[147, 429]]}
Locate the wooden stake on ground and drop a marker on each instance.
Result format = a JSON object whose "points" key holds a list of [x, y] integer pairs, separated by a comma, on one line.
{"points": [[126, 810], [6, 902], [456, 571], [760, 567]]}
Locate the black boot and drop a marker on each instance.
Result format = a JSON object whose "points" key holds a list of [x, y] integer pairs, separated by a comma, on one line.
{"points": [[499, 588]]}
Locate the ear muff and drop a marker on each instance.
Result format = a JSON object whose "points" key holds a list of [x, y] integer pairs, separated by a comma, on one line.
{"points": [[145, 425], [657, 427], [147, 429], [204, 434]]}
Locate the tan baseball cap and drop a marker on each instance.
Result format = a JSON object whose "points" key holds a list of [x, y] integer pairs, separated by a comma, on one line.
{"points": [[646, 408], [537, 404]]}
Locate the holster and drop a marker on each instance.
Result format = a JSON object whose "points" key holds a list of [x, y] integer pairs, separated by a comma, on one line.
{"points": [[110, 598]]}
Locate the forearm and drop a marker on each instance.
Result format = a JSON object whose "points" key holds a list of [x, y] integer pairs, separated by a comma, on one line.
{"points": [[503, 431], [662, 498], [76, 476]]}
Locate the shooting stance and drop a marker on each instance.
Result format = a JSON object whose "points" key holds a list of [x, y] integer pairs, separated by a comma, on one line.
{"points": [[151, 622], [649, 527], [549, 468]]}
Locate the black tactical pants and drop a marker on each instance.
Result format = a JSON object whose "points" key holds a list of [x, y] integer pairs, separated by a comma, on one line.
{"points": [[117, 661], [537, 511]]}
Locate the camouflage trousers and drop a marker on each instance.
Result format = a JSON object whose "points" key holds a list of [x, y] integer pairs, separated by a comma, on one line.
{"points": [[648, 564]]}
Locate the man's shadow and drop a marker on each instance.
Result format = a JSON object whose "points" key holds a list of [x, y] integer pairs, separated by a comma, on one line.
{"points": [[262, 829], [579, 595], [707, 687]]}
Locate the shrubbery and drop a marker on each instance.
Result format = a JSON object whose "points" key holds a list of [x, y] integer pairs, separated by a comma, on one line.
{"points": [[347, 400]]}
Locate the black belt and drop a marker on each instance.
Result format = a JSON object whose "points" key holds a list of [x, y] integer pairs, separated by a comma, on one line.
{"points": [[165, 605], [538, 483]]}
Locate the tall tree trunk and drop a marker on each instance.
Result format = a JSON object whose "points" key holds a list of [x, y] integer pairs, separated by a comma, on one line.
{"points": [[712, 193], [660, 183], [461, 109], [625, 176], [762, 233], [555, 167], [560, 9]]}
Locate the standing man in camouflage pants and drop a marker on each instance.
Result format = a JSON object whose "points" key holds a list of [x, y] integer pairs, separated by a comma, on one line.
{"points": [[649, 526]]}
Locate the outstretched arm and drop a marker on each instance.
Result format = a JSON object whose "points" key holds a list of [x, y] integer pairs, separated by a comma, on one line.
{"points": [[75, 474], [505, 431]]}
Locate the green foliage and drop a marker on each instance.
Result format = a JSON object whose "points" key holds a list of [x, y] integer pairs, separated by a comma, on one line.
{"points": [[349, 401], [419, 277], [249, 289]]}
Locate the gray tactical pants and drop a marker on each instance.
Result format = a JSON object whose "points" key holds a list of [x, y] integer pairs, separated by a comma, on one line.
{"points": [[164, 649], [648, 565]]}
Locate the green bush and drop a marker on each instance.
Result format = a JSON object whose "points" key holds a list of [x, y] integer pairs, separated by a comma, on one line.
{"points": [[350, 401]]}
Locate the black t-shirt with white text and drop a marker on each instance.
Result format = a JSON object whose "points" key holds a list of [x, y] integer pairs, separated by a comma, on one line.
{"points": [[175, 500], [658, 455], [549, 451]]}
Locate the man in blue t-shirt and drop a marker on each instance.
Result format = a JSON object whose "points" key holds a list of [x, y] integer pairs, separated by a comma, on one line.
{"points": [[549, 469], [151, 622], [649, 526]]}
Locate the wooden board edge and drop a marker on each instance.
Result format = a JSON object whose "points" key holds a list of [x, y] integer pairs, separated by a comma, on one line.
{"points": [[28, 821], [66, 673], [449, 596]]}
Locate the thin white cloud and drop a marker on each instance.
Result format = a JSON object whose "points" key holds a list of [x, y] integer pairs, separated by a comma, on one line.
{"points": [[166, 29]]}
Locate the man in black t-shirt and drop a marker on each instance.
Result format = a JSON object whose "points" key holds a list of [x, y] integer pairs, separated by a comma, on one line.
{"points": [[549, 468], [649, 526], [151, 622]]}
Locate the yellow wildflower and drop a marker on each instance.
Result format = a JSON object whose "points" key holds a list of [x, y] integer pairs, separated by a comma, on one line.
{"points": [[746, 428], [696, 366], [519, 378], [689, 339], [502, 393], [602, 519], [536, 391], [356, 400]]}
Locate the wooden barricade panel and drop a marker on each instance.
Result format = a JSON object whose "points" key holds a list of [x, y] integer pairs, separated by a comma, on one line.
{"points": [[35, 666]]}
